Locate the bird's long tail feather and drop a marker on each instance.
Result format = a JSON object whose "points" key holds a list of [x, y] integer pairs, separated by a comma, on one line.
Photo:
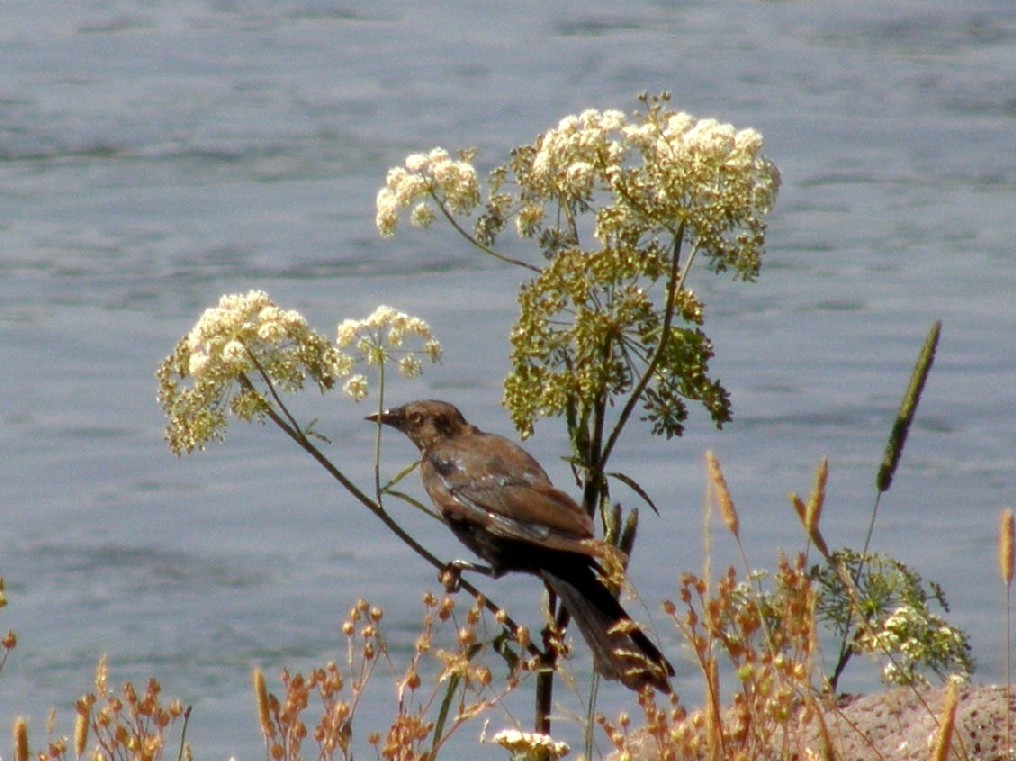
{"points": [[621, 650]]}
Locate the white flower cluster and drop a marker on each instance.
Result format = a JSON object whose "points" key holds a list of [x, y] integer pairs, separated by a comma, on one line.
{"points": [[594, 144], [379, 337], [571, 154], [662, 166], [655, 171], [912, 637], [426, 178], [246, 349], [529, 745], [249, 332], [230, 338], [706, 161]]}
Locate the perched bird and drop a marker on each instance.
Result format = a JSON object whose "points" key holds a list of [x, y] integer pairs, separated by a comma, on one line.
{"points": [[500, 503]]}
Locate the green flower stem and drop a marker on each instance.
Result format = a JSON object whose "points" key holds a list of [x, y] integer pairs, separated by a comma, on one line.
{"points": [[472, 239], [377, 432], [269, 385], [593, 457], [675, 283]]}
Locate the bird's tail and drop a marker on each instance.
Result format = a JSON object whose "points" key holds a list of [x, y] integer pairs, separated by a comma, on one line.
{"points": [[621, 650]]}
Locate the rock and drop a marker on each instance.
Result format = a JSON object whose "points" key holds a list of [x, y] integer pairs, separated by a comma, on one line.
{"points": [[896, 725], [901, 724]]}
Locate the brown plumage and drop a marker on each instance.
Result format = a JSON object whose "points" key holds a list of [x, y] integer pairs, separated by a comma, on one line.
{"points": [[500, 503]]}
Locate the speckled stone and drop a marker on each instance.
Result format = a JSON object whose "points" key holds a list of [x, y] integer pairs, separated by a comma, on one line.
{"points": [[901, 724], [896, 725]]}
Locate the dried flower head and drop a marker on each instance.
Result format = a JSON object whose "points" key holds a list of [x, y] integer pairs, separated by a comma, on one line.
{"points": [[81, 733], [261, 697], [132, 723], [20, 736]]}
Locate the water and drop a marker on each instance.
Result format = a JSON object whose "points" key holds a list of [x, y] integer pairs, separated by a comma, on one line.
{"points": [[155, 155]]}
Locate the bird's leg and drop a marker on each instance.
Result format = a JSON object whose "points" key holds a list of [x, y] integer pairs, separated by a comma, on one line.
{"points": [[452, 573]]}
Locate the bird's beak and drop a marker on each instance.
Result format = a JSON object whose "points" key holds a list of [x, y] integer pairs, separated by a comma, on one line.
{"points": [[388, 417]]}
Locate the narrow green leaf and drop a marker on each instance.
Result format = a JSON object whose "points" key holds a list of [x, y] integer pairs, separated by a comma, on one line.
{"points": [[635, 487]]}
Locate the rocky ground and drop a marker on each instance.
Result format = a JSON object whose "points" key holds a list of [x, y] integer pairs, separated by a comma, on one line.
{"points": [[901, 724]]}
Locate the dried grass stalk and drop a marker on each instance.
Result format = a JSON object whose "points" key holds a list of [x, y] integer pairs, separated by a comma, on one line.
{"points": [[261, 695], [80, 734], [800, 508], [946, 722], [723, 499], [828, 751], [714, 716], [1005, 546], [817, 498], [20, 739], [816, 501]]}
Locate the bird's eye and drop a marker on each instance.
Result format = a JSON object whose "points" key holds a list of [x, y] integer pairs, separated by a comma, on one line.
{"points": [[416, 419]]}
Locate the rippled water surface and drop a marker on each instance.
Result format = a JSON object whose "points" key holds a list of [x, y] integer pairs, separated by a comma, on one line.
{"points": [[154, 155]]}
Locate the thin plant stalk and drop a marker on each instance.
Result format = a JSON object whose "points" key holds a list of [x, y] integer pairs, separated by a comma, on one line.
{"points": [[184, 750], [1007, 567], [377, 433], [472, 238], [674, 284]]}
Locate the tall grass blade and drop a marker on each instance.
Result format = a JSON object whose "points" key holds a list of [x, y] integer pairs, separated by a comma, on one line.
{"points": [[898, 436]]}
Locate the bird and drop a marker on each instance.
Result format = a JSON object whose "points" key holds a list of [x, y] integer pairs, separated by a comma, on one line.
{"points": [[497, 499]]}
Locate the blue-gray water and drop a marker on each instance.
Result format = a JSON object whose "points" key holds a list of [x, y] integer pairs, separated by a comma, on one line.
{"points": [[154, 155]]}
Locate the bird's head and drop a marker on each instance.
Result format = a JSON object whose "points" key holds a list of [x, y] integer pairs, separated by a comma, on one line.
{"points": [[425, 422]]}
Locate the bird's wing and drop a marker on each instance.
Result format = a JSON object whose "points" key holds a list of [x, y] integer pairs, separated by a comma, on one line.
{"points": [[494, 483]]}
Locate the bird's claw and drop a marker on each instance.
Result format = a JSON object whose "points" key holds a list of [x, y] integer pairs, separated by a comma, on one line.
{"points": [[451, 574], [451, 577]]}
